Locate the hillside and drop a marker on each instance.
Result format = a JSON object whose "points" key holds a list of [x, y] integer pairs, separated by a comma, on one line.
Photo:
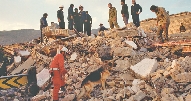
{"points": [[175, 20]]}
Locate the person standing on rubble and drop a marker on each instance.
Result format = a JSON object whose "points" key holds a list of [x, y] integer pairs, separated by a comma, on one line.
{"points": [[58, 72], [112, 16], [124, 12], [88, 24], [163, 22], [136, 9], [43, 23], [70, 17], [60, 16], [82, 15], [76, 20]]}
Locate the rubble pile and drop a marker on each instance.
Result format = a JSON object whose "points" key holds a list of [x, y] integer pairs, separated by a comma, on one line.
{"points": [[140, 72]]}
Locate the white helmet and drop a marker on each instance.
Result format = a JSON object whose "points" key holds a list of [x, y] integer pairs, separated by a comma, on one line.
{"points": [[61, 6], [64, 49]]}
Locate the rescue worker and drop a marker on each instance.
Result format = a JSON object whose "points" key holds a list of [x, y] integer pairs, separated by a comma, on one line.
{"points": [[43, 23], [102, 28], [88, 24], [70, 17], [112, 16], [82, 15], [182, 28], [163, 22], [136, 9], [124, 12], [58, 72], [76, 20], [60, 16]]}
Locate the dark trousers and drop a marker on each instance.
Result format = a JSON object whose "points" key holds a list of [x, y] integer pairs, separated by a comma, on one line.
{"points": [[77, 26], [125, 19], [62, 24], [136, 20], [41, 35], [81, 26], [70, 24], [87, 28]]}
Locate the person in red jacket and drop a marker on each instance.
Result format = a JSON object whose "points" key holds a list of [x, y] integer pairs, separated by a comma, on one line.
{"points": [[58, 72]]}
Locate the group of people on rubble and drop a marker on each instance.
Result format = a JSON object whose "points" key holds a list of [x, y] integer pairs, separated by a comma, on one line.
{"points": [[163, 19], [78, 19], [82, 21]]}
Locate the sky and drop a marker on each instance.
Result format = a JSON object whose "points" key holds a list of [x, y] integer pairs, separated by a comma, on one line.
{"points": [[26, 14]]}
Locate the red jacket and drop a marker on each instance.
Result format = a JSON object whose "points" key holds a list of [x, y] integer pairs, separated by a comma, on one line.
{"points": [[58, 62]]}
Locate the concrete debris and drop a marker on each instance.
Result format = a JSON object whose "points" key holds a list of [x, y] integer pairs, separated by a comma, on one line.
{"points": [[140, 70], [145, 67]]}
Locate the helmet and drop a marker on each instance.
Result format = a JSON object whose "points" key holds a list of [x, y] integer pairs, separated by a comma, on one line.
{"points": [[64, 49], [61, 6]]}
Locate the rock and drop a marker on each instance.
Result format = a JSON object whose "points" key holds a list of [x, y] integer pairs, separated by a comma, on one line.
{"points": [[69, 97], [73, 56], [145, 67], [118, 97], [180, 98], [112, 83], [188, 87], [131, 43], [183, 77], [166, 91], [110, 98], [169, 97], [123, 51], [188, 97], [139, 96]]}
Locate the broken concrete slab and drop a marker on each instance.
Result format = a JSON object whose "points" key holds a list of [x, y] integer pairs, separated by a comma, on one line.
{"points": [[43, 77], [26, 65], [145, 67], [73, 56], [139, 96], [131, 43]]}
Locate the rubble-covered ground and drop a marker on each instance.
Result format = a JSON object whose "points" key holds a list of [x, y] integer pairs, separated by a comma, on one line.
{"points": [[142, 70]]}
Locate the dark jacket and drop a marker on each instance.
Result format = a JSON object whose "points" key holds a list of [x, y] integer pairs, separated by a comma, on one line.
{"points": [[60, 15], [88, 18], [76, 17], [70, 12], [182, 28], [125, 9], [43, 22], [102, 28], [135, 9], [82, 15]]}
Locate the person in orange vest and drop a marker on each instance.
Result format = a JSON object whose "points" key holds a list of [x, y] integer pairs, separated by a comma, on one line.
{"points": [[58, 72]]}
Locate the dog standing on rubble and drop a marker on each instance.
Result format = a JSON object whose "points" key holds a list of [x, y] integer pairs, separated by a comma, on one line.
{"points": [[98, 76]]}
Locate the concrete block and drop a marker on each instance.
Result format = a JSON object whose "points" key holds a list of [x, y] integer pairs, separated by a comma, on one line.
{"points": [[139, 96], [145, 67], [73, 56], [131, 43]]}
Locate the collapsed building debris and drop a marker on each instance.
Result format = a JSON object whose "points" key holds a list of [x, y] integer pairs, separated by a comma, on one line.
{"points": [[140, 71]]}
